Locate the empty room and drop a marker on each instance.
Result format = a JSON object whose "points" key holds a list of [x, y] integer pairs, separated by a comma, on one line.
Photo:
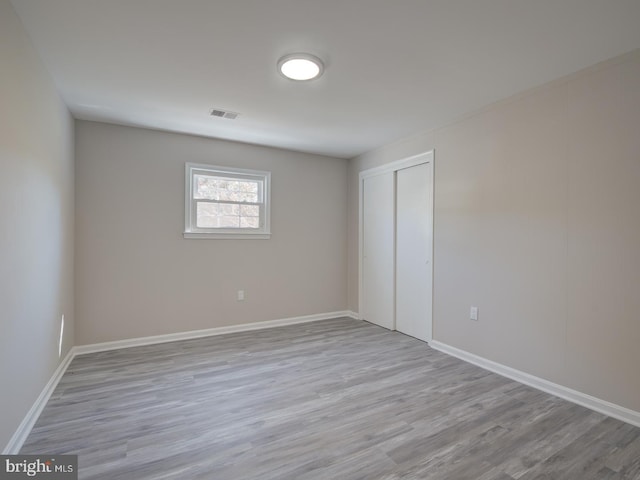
{"points": [[316, 240]]}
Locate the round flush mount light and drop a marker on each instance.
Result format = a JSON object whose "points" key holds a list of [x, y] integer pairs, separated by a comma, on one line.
{"points": [[300, 66]]}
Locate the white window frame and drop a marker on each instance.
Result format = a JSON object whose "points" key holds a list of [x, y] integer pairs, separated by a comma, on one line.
{"points": [[191, 229]]}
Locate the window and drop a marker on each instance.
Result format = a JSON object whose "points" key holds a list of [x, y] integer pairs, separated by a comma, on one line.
{"points": [[223, 202]]}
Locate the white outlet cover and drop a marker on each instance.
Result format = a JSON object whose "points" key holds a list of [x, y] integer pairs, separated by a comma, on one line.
{"points": [[473, 314]]}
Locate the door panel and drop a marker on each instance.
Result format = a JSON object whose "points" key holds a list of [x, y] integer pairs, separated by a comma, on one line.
{"points": [[414, 251], [378, 247]]}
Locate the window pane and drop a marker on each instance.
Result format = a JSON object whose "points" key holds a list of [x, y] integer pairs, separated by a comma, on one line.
{"points": [[227, 215], [226, 189], [249, 222], [217, 215], [249, 211], [249, 216]]}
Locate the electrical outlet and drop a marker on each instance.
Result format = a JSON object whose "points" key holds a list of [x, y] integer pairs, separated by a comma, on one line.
{"points": [[240, 295], [473, 314]]}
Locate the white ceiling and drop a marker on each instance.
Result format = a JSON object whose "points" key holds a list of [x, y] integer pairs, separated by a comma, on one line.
{"points": [[392, 67]]}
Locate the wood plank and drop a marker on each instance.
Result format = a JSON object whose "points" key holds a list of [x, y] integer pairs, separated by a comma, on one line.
{"points": [[331, 399]]}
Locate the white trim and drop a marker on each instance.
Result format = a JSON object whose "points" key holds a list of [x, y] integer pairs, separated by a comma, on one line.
{"points": [[352, 314], [226, 236], [174, 337], [407, 162], [23, 430], [601, 406]]}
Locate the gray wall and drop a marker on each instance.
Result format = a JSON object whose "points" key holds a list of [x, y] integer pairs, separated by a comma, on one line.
{"points": [[36, 224], [537, 224], [137, 275]]}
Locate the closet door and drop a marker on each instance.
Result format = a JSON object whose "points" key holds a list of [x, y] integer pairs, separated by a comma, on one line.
{"points": [[414, 251], [378, 250]]}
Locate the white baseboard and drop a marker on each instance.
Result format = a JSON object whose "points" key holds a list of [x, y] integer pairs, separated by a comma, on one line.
{"points": [[601, 406], [352, 314], [173, 337], [21, 434]]}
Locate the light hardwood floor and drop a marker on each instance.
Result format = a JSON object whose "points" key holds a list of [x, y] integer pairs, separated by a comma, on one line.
{"points": [[337, 399]]}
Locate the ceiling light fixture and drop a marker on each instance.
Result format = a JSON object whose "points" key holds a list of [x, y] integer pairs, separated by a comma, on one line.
{"points": [[300, 66]]}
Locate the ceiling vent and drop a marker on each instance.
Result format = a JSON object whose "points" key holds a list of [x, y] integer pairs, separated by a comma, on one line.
{"points": [[216, 112]]}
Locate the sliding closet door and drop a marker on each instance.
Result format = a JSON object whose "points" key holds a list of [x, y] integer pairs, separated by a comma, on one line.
{"points": [[378, 250], [413, 251]]}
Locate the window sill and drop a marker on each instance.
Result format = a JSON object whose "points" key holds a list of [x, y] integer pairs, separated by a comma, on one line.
{"points": [[226, 236]]}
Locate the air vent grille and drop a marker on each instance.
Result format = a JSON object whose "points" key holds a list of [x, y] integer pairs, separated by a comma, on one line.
{"points": [[216, 112]]}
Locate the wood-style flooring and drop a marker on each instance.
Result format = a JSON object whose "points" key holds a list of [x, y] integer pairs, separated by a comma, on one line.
{"points": [[337, 399]]}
